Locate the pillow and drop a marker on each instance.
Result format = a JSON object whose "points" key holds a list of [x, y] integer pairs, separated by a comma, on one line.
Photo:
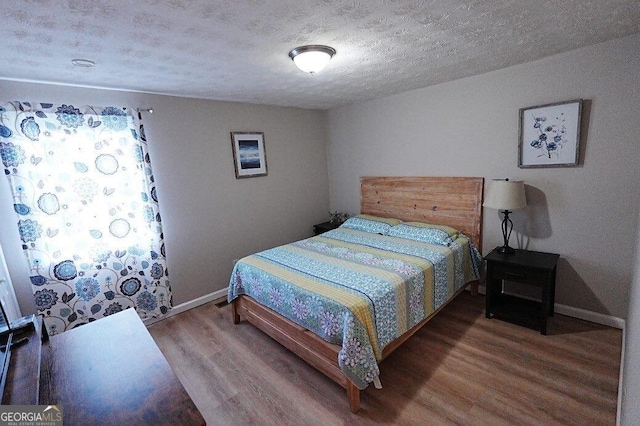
{"points": [[425, 232], [368, 223]]}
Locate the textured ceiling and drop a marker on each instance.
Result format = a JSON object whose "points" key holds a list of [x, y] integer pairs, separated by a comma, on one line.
{"points": [[237, 49]]}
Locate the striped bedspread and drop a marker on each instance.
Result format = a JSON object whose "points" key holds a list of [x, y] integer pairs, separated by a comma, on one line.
{"points": [[356, 289]]}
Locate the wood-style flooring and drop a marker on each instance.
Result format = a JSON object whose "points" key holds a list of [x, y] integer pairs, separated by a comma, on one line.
{"points": [[460, 368]]}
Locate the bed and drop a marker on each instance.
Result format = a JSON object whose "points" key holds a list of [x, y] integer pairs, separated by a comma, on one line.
{"points": [[344, 300]]}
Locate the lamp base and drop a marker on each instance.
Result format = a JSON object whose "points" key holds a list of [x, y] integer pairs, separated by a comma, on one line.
{"points": [[505, 250]]}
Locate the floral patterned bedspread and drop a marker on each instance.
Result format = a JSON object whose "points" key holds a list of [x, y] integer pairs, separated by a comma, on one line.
{"points": [[356, 289]]}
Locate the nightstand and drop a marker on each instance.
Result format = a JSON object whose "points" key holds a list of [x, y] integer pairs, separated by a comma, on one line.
{"points": [[527, 267], [324, 227]]}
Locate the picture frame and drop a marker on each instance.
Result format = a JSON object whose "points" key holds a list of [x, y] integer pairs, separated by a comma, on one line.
{"points": [[249, 154], [550, 135]]}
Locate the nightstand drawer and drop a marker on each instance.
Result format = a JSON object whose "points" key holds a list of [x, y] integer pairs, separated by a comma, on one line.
{"points": [[519, 274]]}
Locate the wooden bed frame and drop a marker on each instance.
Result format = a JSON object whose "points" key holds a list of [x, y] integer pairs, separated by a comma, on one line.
{"points": [[453, 201]]}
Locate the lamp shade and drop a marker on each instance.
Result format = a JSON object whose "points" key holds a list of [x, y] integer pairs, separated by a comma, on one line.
{"points": [[312, 58], [505, 194]]}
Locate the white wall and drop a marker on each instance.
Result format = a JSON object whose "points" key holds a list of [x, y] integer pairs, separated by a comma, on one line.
{"points": [[630, 398], [469, 127], [209, 216]]}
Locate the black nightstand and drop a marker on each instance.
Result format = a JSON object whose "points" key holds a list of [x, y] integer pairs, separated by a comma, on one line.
{"points": [[523, 266], [324, 227]]}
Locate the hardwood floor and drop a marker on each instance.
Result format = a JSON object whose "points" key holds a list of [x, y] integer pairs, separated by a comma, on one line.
{"points": [[461, 368]]}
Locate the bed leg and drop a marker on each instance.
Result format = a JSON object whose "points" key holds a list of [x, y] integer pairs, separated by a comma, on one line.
{"points": [[353, 395], [234, 313], [474, 288]]}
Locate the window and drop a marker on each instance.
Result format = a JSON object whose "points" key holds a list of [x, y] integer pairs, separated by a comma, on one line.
{"points": [[87, 210]]}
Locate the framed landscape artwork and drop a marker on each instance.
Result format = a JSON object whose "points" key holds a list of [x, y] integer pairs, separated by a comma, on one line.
{"points": [[249, 155], [550, 135]]}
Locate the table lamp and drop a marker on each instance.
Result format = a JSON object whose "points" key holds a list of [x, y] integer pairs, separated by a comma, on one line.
{"points": [[506, 195]]}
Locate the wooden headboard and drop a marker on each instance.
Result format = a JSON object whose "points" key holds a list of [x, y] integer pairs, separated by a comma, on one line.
{"points": [[452, 201]]}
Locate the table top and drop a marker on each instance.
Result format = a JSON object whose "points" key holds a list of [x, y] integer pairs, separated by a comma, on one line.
{"points": [[111, 372], [525, 258]]}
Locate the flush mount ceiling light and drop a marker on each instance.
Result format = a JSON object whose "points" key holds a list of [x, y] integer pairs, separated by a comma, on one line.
{"points": [[84, 63], [312, 58]]}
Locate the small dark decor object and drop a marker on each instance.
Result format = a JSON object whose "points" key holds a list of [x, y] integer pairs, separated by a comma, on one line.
{"points": [[506, 195], [337, 217]]}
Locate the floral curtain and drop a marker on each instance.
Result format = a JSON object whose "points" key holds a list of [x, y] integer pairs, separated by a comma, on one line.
{"points": [[87, 211]]}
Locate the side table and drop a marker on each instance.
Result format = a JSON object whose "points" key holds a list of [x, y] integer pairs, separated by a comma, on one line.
{"points": [[523, 266], [324, 227]]}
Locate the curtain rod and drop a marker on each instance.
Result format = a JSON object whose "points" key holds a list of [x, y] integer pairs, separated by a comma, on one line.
{"points": [[149, 110]]}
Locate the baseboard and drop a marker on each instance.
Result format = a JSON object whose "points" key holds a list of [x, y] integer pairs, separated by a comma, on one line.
{"points": [[590, 316], [188, 305], [569, 311], [578, 313]]}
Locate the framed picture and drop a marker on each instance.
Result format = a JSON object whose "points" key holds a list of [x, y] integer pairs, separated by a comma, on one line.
{"points": [[249, 155], [550, 135]]}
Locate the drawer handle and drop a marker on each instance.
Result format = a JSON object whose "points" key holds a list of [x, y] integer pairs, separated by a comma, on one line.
{"points": [[514, 274]]}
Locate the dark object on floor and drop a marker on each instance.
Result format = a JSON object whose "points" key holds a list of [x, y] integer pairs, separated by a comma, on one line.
{"points": [[222, 303]]}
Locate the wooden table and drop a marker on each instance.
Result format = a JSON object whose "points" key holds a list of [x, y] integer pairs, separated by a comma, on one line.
{"points": [[110, 372]]}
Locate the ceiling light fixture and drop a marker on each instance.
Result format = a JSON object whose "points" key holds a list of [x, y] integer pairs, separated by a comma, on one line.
{"points": [[84, 63], [312, 58]]}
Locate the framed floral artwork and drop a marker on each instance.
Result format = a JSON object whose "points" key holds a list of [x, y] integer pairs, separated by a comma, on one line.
{"points": [[550, 135], [249, 154]]}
